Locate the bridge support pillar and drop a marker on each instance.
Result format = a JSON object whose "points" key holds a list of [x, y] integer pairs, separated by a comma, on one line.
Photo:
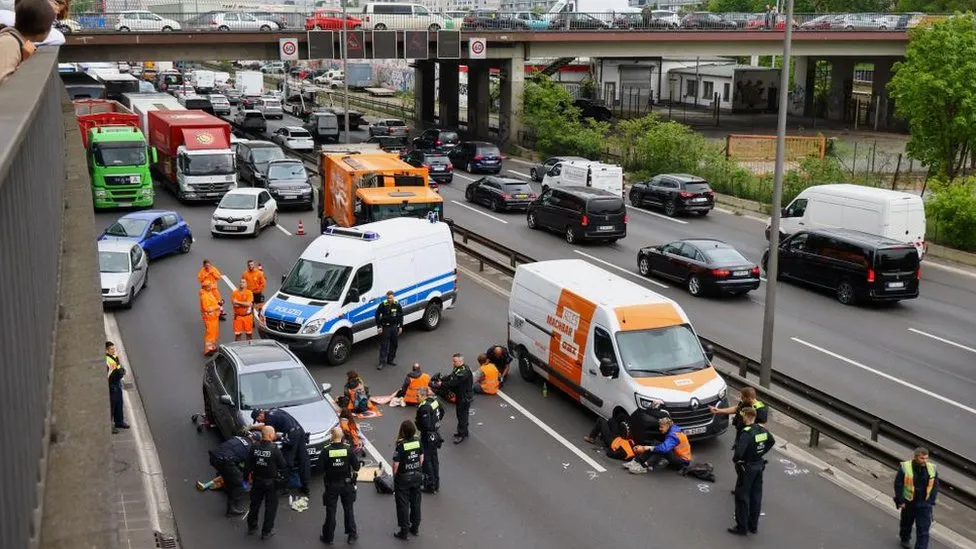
{"points": [[839, 100], [448, 95], [424, 91], [879, 92], [512, 88], [801, 101], [479, 99]]}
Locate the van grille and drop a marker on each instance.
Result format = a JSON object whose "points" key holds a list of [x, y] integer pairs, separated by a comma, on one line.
{"points": [[686, 415], [286, 327]]}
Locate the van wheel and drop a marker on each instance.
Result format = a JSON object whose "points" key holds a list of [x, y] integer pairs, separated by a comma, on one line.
{"points": [[845, 293], [340, 347], [670, 209], [694, 285], [570, 235], [432, 316], [434, 28], [530, 219], [525, 369]]}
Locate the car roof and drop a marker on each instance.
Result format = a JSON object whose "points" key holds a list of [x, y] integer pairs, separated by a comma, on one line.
{"points": [[148, 215], [261, 144], [860, 237], [288, 160], [261, 355], [507, 180], [253, 191], [295, 128], [482, 143], [587, 192], [683, 177], [116, 245]]}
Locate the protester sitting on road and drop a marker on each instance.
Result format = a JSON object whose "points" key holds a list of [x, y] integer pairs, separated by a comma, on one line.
{"points": [[412, 383], [616, 438], [674, 452], [486, 379], [347, 421], [33, 23], [358, 394]]}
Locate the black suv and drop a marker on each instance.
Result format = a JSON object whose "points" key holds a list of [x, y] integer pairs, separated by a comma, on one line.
{"points": [[675, 193], [856, 266], [477, 156], [440, 139], [253, 158], [580, 213]]}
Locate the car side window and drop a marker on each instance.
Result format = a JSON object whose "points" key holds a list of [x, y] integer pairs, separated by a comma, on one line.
{"points": [[364, 279], [669, 249], [227, 375], [157, 226], [264, 197], [134, 257], [169, 221], [546, 197], [799, 242], [797, 208], [603, 345]]}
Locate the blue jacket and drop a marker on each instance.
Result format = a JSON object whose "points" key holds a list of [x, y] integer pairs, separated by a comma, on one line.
{"points": [[670, 441]]}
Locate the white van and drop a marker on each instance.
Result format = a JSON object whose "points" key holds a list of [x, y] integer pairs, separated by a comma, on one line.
{"points": [[401, 16], [892, 214], [605, 177], [328, 300], [612, 344]]}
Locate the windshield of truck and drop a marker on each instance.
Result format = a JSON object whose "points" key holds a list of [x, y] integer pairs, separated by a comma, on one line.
{"points": [[661, 351], [410, 209], [287, 171], [278, 389], [263, 155], [209, 164], [232, 201], [316, 281], [120, 154], [113, 262], [127, 227]]}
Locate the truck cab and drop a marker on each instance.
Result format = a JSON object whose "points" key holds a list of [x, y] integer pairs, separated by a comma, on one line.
{"points": [[194, 154]]}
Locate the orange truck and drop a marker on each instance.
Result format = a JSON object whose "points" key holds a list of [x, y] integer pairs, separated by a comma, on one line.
{"points": [[360, 188]]}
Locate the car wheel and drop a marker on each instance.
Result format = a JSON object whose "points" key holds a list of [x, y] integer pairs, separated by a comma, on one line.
{"points": [[432, 316], [257, 229], [570, 235], [379, 27], [496, 205], [123, 29], [670, 208], [469, 168], [167, 29], [635, 199], [265, 28], [434, 28], [185, 245], [644, 266], [533, 175], [469, 196], [703, 213], [340, 347], [525, 368], [845, 293], [530, 220], [223, 28], [694, 285], [128, 301]]}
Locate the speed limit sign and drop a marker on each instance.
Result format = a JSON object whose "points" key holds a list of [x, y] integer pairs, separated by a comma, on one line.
{"points": [[477, 48], [288, 49]]}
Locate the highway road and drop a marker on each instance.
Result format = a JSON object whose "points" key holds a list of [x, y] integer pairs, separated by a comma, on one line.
{"points": [[514, 483]]}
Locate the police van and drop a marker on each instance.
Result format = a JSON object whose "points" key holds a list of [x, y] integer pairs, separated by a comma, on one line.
{"points": [[612, 345], [328, 300]]}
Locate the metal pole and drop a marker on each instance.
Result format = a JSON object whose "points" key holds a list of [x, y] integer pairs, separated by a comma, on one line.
{"points": [[772, 264], [345, 71]]}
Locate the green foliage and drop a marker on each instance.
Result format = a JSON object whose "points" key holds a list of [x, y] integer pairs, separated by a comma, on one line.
{"points": [[934, 6], [549, 114], [933, 90], [650, 146], [952, 211]]}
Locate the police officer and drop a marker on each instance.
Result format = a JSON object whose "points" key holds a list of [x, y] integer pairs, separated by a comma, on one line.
{"points": [[389, 320], [408, 463], [460, 382], [753, 443], [293, 445], [747, 399], [341, 466], [429, 416], [115, 373], [229, 459], [264, 466]]}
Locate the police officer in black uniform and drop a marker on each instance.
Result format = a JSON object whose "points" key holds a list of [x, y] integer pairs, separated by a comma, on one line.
{"points": [[266, 464], [116, 372], [229, 459], [389, 320], [429, 416], [460, 382], [341, 466], [753, 443], [293, 444], [408, 463]]}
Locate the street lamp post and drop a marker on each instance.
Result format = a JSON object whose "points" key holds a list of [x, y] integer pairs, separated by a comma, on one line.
{"points": [[772, 260], [345, 72]]}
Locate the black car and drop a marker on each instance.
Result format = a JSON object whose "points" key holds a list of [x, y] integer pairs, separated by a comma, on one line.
{"points": [[439, 139], [487, 19], [389, 144], [437, 163], [577, 21], [288, 184], [500, 193], [580, 213], [704, 266], [251, 120], [253, 158], [242, 377], [249, 101], [854, 265], [477, 156], [676, 193], [233, 96]]}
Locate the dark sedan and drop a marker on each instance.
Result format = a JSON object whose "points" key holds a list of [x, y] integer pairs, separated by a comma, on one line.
{"points": [[704, 266], [288, 183], [487, 19], [708, 21], [437, 163], [500, 193]]}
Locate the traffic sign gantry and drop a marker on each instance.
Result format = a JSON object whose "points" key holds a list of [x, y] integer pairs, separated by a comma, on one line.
{"points": [[288, 49], [477, 48]]}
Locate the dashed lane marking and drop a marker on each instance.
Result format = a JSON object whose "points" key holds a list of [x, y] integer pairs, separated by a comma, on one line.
{"points": [[655, 214], [520, 174], [621, 269], [943, 340], [464, 177], [284, 230], [522, 162]]}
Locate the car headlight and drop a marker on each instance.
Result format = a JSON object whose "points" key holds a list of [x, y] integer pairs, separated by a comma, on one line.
{"points": [[722, 394], [313, 327], [248, 219], [120, 288], [645, 403], [214, 217]]}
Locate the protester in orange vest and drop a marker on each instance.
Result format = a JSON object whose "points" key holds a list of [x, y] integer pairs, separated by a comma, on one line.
{"points": [[347, 421], [674, 452], [243, 302], [210, 312], [486, 377], [501, 358], [211, 274], [357, 393], [616, 437], [254, 275], [412, 383]]}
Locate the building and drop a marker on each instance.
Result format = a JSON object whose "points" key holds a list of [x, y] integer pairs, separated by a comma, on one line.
{"points": [[635, 82], [538, 6], [738, 88]]}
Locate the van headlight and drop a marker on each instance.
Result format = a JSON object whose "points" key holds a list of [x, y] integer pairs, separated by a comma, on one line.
{"points": [[313, 327], [645, 403], [722, 394]]}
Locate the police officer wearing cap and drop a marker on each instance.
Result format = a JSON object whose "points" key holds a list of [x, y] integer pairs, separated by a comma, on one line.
{"points": [[753, 443], [429, 416], [341, 466], [293, 445], [229, 459], [408, 463]]}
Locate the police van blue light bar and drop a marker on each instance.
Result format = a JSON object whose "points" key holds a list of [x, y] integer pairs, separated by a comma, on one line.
{"points": [[351, 233]]}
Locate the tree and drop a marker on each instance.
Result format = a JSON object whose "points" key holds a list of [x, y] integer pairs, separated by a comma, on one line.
{"points": [[934, 6], [933, 90], [549, 114]]}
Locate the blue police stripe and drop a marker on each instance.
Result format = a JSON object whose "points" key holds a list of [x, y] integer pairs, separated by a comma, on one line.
{"points": [[406, 296]]}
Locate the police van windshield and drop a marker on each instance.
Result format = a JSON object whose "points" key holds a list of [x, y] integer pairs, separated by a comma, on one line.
{"points": [[661, 351], [277, 389], [316, 281]]}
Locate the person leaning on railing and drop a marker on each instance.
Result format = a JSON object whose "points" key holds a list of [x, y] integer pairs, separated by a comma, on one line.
{"points": [[54, 37], [34, 19]]}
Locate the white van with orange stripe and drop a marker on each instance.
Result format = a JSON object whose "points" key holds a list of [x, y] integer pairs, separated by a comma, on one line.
{"points": [[612, 344]]}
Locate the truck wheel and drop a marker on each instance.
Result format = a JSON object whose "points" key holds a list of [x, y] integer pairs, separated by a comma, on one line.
{"points": [[525, 368], [340, 347], [432, 316]]}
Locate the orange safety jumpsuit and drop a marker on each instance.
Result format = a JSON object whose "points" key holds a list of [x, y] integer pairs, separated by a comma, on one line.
{"points": [[209, 311], [213, 276], [489, 379], [243, 302], [255, 282]]}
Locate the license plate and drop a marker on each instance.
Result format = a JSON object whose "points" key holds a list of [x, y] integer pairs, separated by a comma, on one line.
{"points": [[231, 229], [605, 228], [896, 285], [125, 204], [700, 199], [491, 161], [695, 430], [740, 273], [290, 197], [521, 196]]}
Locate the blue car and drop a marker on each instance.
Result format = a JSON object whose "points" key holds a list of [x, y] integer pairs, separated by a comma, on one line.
{"points": [[159, 232]]}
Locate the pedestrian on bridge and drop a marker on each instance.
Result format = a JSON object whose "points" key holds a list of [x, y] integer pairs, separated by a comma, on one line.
{"points": [[916, 487]]}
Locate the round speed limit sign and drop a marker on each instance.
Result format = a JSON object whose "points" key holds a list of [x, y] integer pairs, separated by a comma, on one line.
{"points": [[476, 48], [288, 49]]}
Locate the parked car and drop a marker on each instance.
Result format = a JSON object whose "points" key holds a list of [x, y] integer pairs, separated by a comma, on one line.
{"points": [[253, 158], [233, 95], [707, 21], [859, 21], [219, 103], [822, 22], [477, 156], [534, 21], [492, 20], [124, 271], [288, 183], [249, 101], [596, 111], [239, 21], [389, 126], [263, 374], [500, 193], [437, 138], [675, 193], [759, 23], [275, 67], [244, 211], [159, 232], [704, 266], [660, 18], [144, 21], [294, 138], [331, 19], [577, 21], [437, 163], [537, 172], [579, 213], [251, 120]]}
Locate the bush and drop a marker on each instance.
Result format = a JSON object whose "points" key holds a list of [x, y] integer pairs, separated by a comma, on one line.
{"points": [[951, 212], [554, 122]]}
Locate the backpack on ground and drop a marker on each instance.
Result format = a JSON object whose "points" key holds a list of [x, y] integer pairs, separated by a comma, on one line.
{"points": [[701, 471], [383, 482]]}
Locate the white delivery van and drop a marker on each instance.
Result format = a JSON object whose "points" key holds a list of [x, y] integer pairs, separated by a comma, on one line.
{"points": [[576, 173], [892, 214], [401, 16], [328, 300], [612, 344]]}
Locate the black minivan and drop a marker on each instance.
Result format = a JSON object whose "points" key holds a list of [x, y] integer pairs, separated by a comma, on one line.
{"points": [[856, 266], [580, 213]]}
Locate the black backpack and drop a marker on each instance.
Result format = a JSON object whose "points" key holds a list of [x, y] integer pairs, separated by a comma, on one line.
{"points": [[383, 482], [701, 471]]}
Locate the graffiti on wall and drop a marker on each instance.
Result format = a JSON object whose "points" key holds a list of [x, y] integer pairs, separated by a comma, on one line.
{"points": [[752, 89]]}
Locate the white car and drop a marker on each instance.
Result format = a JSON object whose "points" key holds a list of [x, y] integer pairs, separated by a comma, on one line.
{"points": [[231, 21], [144, 21], [124, 270], [244, 211], [294, 138]]}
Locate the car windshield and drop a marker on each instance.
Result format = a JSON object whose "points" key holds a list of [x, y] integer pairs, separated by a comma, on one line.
{"points": [[724, 256], [113, 262], [300, 134], [263, 155], [661, 351], [605, 206], [127, 227], [517, 188], [287, 171], [209, 164], [696, 187], [120, 154], [317, 281], [449, 137], [236, 201], [410, 209], [277, 389], [897, 260], [395, 123]]}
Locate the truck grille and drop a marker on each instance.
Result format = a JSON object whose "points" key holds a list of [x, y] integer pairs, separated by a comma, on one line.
{"points": [[686, 415], [286, 327], [211, 187]]}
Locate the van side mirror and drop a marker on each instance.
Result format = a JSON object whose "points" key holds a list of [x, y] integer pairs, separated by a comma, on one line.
{"points": [[352, 296], [783, 212], [709, 352], [226, 400], [326, 388], [608, 368], [283, 279]]}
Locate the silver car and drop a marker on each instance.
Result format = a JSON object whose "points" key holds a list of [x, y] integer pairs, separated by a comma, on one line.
{"points": [[220, 104], [124, 271], [389, 126], [536, 173]]}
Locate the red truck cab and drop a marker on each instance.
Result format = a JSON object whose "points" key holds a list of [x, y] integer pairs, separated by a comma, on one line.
{"points": [[195, 159]]}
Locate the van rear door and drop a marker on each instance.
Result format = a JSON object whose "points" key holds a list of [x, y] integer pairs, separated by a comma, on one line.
{"points": [[896, 270], [906, 222]]}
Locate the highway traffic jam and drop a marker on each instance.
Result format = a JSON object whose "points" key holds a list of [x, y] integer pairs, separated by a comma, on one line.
{"points": [[604, 327]]}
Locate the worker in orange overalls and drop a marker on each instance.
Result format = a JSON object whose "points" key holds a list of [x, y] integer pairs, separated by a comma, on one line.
{"points": [[254, 275], [243, 301], [210, 312], [211, 274]]}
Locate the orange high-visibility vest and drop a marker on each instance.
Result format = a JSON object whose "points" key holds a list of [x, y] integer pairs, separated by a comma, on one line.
{"points": [[255, 280], [245, 296], [489, 380], [208, 304], [624, 444], [683, 449], [908, 485], [410, 396]]}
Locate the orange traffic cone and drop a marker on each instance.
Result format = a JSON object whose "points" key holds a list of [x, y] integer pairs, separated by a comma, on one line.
{"points": [[301, 228]]}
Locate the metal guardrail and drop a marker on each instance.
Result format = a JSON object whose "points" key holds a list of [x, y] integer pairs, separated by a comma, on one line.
{"points": [[818, 424]]}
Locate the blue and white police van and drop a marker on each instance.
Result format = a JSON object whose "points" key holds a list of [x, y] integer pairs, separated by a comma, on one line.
{"points": [[328, 300]]}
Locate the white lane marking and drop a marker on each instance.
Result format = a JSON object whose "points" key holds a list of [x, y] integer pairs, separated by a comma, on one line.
{"points": [[520, 174], [154, 483], [762, 278], [376, 455], [465, 177], [282, 229], [463, 205], [229, 282], [552, 432], [943, 340], [655, 214], [621, 269], [886, 376], [194, 239], [955, 270], [522, 162]]}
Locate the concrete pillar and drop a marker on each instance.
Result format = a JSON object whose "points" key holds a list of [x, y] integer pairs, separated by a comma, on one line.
{"points": [[512, 88], [879, 91], [801, 66], [839, 99], [479, 99], [424, 92], [449, 96], [754, 60]]}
